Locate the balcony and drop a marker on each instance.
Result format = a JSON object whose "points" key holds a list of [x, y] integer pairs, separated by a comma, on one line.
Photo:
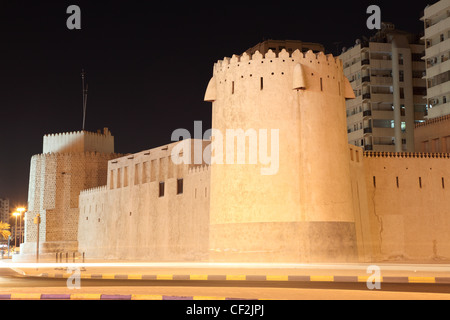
{"points": [[365, 62], [366, 96], [367, 113], [367, 130], [382, 97], [381, 64], [383, 114], [366, 79], [381, 81], [368, 147]]}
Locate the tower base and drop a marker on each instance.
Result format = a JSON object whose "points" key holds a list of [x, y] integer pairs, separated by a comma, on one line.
{"points": [[284, 242]]}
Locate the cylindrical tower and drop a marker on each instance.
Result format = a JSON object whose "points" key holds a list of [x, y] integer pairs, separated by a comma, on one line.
{"points": [[290, 200]]}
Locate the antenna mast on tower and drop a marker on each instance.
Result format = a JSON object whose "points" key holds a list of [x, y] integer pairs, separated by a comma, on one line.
{"points": [[85, 93]]}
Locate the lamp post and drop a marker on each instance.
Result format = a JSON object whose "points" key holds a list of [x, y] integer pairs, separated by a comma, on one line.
{"points": [[15, 214], [21, 210]]}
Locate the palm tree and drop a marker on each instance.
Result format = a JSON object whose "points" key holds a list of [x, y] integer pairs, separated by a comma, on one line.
{"points": [[4, 230]]}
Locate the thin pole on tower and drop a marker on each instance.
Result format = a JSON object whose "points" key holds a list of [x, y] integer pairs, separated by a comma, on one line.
{"points": [[84, 92]]}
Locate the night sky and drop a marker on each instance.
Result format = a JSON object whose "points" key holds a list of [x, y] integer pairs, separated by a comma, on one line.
{"points": [[147, 62]]}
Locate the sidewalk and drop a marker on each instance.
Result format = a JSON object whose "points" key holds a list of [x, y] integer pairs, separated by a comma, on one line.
{"points": [[389, 273]]}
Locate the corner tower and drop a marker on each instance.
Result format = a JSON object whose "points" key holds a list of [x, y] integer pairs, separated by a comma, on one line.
{"points": [[302, 212], [70, 162]]}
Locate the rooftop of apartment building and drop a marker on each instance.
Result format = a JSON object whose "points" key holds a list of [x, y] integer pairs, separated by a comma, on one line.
{"points": [[385, 35]]}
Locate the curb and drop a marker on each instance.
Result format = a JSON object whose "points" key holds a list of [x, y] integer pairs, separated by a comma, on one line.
{"points": [[93, 296], [268, 278]]}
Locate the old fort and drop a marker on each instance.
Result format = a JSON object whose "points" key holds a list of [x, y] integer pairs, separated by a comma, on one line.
{"points": [[329, 201]]}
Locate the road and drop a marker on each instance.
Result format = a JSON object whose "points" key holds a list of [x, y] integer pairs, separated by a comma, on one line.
{"points": [[10, 281]]}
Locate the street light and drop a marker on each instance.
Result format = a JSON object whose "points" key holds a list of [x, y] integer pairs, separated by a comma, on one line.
{"points": [[21, 210], [15, 214]]}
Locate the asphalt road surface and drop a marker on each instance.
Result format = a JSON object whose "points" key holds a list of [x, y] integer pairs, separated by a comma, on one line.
{"points": [[12, 280]]}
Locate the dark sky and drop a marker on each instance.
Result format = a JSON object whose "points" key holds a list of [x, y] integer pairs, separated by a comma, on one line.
{"points": [[147, 62]]}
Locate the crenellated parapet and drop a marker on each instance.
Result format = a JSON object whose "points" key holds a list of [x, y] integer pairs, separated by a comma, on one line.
{"points": [[198, 169], [433, 121], [299, 71], [91, 191], [283, 57], [79, 141], [417, 155]]}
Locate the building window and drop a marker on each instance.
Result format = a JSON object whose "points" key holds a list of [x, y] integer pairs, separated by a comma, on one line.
{"points": [[397, 182], [420, 182], [443, 183], [262, 83], [161, 189], [179, 186], [374, 182]]}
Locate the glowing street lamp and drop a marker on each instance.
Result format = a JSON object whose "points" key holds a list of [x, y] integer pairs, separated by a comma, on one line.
{"points": [[21, 210], [16, 214]]}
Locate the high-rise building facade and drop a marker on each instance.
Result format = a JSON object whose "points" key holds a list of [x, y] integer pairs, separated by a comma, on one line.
{"points": [[386, 75], [436, 20], [4, 210]]}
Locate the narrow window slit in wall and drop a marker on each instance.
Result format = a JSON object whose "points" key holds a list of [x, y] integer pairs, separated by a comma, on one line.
{"points": [[321, 84], [262, 83], [179, 186], [443, 183], [397, 182], [161, 189], [232, 87], [420, 182], [374, 182]]}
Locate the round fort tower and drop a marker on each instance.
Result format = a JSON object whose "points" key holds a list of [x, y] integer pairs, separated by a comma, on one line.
{"points": [[294, 202]]}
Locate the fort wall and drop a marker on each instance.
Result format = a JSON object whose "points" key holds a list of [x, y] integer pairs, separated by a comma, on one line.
{"points": [[129, 217], [408, 197]]}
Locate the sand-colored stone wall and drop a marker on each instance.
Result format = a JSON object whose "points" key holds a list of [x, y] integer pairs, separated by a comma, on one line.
{"points": [[408, 197], [128, 219]]}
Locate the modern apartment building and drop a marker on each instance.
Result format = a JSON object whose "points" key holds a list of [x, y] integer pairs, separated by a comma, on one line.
{"points": [[386, 74], [436, 20], [4, 210]]}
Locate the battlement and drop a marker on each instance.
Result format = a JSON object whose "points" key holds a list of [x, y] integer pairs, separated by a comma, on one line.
{"points": [[198, 169], [372, 154], [79, 141], [314, 72], [78, 155], [283, 56], [93, 190], [433, 121]]}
